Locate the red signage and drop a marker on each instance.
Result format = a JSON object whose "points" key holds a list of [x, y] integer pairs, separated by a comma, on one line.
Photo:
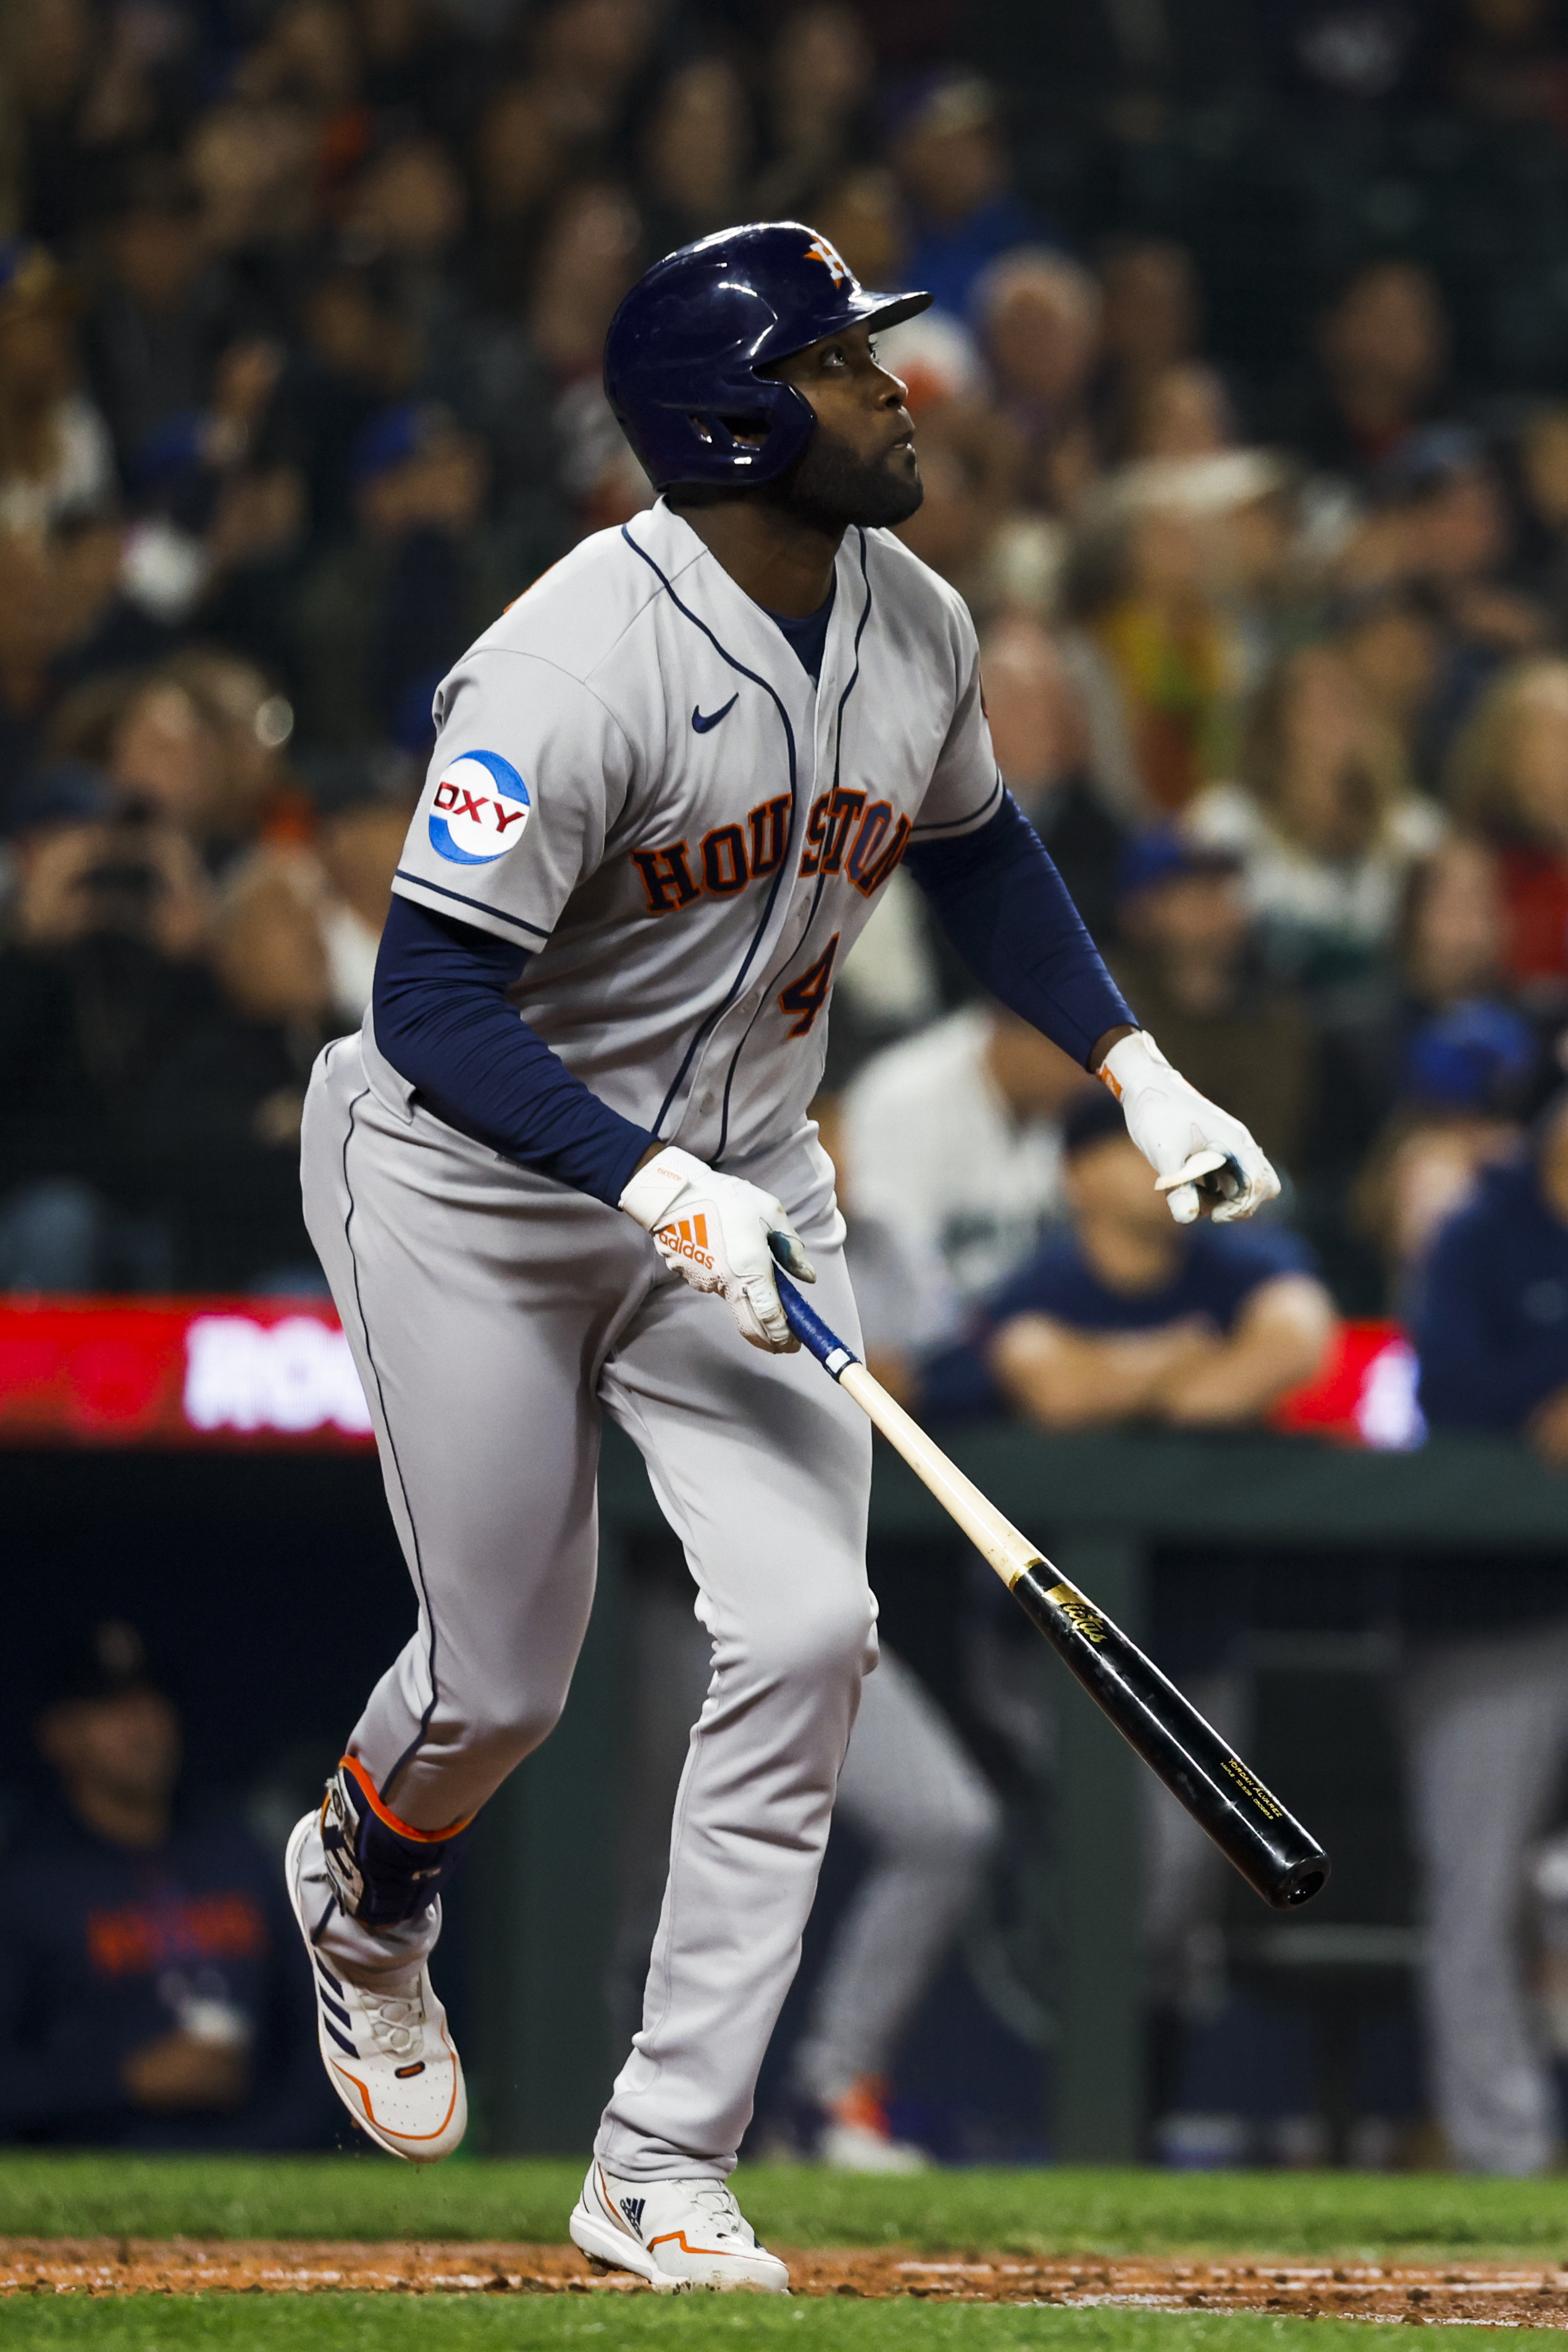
{"points": [[221, 1372], [178, 1371]]}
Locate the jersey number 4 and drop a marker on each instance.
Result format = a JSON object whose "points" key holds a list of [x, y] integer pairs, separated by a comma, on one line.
{"points": [[804, 998]]}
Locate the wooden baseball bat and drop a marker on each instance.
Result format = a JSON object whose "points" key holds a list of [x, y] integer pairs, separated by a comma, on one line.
{"points": [[1277, 1857]]}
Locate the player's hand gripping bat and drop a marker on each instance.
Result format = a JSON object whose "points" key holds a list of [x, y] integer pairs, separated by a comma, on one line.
{"points": [[1273, 1853]]}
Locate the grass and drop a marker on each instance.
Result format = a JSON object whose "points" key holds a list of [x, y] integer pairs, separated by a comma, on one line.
{"points": [[1057, 2211], [738, 2324]]}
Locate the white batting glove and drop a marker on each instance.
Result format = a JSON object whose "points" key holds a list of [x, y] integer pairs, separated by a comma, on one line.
{"points": [[1185, 1136], [715, 1230]]}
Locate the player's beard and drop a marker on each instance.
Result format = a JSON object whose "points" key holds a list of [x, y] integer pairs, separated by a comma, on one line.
{"points": [[832, 488]]}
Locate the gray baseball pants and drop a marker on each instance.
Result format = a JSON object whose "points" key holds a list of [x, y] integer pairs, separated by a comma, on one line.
{"points": [[495, 1317], [908, 1788], [1486, 1729]]}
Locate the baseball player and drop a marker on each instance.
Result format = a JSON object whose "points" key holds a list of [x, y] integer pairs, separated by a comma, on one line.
{"points": [[667, 786]]}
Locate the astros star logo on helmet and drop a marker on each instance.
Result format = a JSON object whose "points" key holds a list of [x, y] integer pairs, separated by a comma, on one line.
{"points": [[821, 250]]}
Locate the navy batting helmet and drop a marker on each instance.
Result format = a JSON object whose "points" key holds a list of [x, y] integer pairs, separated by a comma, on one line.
{"points": [[684, 351]]}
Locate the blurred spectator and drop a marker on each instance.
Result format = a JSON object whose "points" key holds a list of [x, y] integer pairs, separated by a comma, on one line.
{"points": [[224, 1107], [1508, 777], [1323, 821], [1185, 962], [1508, 62], [1038, 314], [380, 620], [944, 140], [56, 462], [1448, 950], [817, 80], [1383, 351], [1487, 1715], [953, 1142], [1492, 1333], [1045, 749], [697, 153], [359, 843], [1137, 589], [151, 1994], [1131, 1317], [1150, 320], [162, 310], [1391, 639], [1352, 52], [95, 996], [1465, 1077]]}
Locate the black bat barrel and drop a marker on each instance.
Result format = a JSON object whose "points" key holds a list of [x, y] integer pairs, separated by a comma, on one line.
{"points": [[1270, 1849]]}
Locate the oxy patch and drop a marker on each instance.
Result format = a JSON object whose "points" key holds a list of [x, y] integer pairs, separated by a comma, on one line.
{"points": [[480, 811]]}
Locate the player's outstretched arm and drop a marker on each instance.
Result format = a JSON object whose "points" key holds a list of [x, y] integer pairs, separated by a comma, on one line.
{"points": [[1007, 912], [720, 1233]]}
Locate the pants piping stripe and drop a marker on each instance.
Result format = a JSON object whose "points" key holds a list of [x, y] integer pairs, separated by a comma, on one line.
{"points": [[420, 1735]]}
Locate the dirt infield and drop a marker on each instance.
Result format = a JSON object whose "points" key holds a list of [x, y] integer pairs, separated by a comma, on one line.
{"points": [[1439, 2294]]}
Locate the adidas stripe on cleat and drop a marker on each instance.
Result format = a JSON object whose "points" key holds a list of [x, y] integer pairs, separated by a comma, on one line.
{"points": [[386, 2047], [674, 2233]]}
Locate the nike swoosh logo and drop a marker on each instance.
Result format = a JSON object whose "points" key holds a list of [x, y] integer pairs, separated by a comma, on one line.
{"points": [[713, 718]]}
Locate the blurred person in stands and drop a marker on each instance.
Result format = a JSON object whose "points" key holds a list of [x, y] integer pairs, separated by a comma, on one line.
{"points": [[378, 620], [1541, 481], [818, 83], [1323, 821], [1464, 1077], [1508, 781], [1150, 645], [99, 986], [256, 167], [56, 463], [162, 309], [149, 1993], [1044, 745], [1381, 360], [1181, 411], [944, 140], [588, 259], [1506, 62], [696, 153], [1122, 1317], [1038, 316], [1150, 322], [1392, 640], [1486, 1694], [224, 1107], [1440, 521], [1449, 948], [1187, 957], [406, 212], [359, 842], [952, 1140]]}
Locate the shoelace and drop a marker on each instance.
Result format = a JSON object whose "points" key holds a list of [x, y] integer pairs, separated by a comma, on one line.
{"points": [[397, 2022], [714, 2198]]}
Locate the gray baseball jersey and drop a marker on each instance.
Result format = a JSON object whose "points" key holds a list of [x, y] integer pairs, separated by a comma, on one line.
{"points": [[634, 780]]}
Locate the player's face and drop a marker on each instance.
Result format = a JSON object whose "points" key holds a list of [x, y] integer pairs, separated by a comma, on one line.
{"points": [[859, 466]]}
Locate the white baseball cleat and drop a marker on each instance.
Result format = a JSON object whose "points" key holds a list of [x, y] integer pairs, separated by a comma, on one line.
{"points": [[674, 2233], [857, 2136], [386, 2049]]}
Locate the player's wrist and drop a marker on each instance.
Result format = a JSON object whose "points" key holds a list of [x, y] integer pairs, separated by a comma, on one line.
{"points": [[1133, 1062], [657, 1181]]}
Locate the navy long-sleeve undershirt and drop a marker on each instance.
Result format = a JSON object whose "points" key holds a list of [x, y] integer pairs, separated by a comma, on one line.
{"points": [[442, 1020], [441, 1017]]}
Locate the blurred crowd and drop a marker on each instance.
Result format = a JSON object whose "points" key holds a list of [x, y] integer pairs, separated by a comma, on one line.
{"points": [[301, 315], [1243, 418]]}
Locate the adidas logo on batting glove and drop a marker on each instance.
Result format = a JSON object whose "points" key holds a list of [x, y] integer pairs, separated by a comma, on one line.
{"points": [[716, 1231]]}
